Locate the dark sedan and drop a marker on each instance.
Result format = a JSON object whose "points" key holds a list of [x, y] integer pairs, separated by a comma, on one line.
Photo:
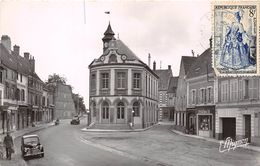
{"points": [[75, 121], [31, 146]]}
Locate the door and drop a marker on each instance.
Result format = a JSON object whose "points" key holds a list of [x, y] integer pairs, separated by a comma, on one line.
{"points": [[248, 127], [229, 128], [120, 113], [105, 113]]}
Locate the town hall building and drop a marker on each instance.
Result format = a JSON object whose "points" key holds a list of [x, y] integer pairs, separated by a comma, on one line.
{"points": [[123, 89]]}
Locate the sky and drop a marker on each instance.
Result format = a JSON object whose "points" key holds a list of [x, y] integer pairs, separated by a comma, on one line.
{"points": [[66, 36]]}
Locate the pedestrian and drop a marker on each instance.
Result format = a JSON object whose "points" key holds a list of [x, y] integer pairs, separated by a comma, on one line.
{"points": [[8, 143]]}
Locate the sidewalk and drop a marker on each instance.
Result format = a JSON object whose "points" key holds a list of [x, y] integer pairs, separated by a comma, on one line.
{"points": [[87, 129], [16, 157], [249, 147]]}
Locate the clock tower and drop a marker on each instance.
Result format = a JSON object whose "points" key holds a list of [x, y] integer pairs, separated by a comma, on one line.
{"points": [[109, 35]]}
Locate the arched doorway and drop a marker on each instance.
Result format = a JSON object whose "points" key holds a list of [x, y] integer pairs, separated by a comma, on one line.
{"points": [[105, 112], [120, 113]]}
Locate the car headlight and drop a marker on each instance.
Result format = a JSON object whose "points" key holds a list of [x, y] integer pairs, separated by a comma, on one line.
{"points": [[26, 150]]}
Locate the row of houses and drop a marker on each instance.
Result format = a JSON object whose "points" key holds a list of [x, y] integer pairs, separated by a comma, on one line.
{"points": [[125, 92], [24, 98], [216, 107]]}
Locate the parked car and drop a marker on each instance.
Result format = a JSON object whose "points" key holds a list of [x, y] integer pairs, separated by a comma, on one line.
{"points": [[75, 120], [31, 146]]}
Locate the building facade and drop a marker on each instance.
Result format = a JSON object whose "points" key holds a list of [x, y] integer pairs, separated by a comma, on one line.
{"points": [[165, 112], [123, 89], [200, 97], [20, 88], [171, 101], [63, 101], [181, 94], [237, 108]]}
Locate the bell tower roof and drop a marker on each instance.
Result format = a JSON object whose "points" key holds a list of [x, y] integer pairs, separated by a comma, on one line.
{"points": [[109, 34]]}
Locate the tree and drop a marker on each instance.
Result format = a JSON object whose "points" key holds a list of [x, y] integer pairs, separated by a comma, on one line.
{"points": [[79, 103], [56, 78]]}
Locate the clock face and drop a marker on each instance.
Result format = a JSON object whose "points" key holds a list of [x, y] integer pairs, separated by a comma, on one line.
{"points": [[106, 44], [123, 57], [102, 58]]}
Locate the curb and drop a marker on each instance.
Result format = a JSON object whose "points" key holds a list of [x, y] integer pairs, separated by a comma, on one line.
{"points": [[133, 130]]}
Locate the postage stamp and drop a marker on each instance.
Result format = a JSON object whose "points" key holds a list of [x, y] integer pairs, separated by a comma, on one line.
{"points": [[235, 36]]}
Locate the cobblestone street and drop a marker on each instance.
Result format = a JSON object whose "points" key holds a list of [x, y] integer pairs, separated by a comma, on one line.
{"points": [[165, 147]]}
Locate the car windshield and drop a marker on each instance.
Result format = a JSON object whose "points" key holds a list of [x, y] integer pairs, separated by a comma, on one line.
{"points": [[31, 140], [75, 117]]}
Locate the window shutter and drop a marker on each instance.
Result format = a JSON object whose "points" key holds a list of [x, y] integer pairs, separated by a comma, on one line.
{"points": [[251, 82], [190, 97], [211, 95], [199, 93], [255, 89]]}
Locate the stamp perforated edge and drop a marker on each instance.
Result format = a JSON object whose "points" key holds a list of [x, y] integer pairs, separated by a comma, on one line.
{"points": [[246, 2]]}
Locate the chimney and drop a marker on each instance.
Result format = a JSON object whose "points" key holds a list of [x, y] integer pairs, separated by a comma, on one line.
{"points": [[26, 55], [169, 67], [154, 65], [192, 52], [6, 41], [32, 63], [16, 50], [149, 59]]}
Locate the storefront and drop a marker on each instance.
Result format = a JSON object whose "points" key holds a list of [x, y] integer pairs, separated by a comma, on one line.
{"points": [[205, 122]]}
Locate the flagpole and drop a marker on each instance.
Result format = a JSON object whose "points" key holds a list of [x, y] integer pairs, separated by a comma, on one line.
{"points": [[108, 13], [84, 5]]}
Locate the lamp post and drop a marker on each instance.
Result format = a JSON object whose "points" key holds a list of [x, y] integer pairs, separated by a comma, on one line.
{"points": [[88, 117], [133, 117]]}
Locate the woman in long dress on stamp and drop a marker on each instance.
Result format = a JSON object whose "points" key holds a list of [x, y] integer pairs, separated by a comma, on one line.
{"points": [[236, 52]]}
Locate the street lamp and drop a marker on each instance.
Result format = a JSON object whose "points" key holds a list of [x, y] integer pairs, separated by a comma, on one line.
{"points": [[88, 117], [133, 117]]}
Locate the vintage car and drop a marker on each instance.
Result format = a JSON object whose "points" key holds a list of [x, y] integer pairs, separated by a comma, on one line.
{"points": [[75, 120], [31, 146]]}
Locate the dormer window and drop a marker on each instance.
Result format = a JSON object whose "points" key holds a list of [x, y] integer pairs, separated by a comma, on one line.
{"points": [[113, 58]]}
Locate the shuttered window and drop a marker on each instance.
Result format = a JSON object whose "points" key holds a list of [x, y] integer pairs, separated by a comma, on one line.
{"points": [[233, 90], [253, 88]]}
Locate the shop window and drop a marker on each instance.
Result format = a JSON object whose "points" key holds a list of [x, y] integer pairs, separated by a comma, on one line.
{"points": [[205, 122]]}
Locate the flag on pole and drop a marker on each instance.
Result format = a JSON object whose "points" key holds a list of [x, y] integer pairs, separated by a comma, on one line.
{"points": [[107, 12]]}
